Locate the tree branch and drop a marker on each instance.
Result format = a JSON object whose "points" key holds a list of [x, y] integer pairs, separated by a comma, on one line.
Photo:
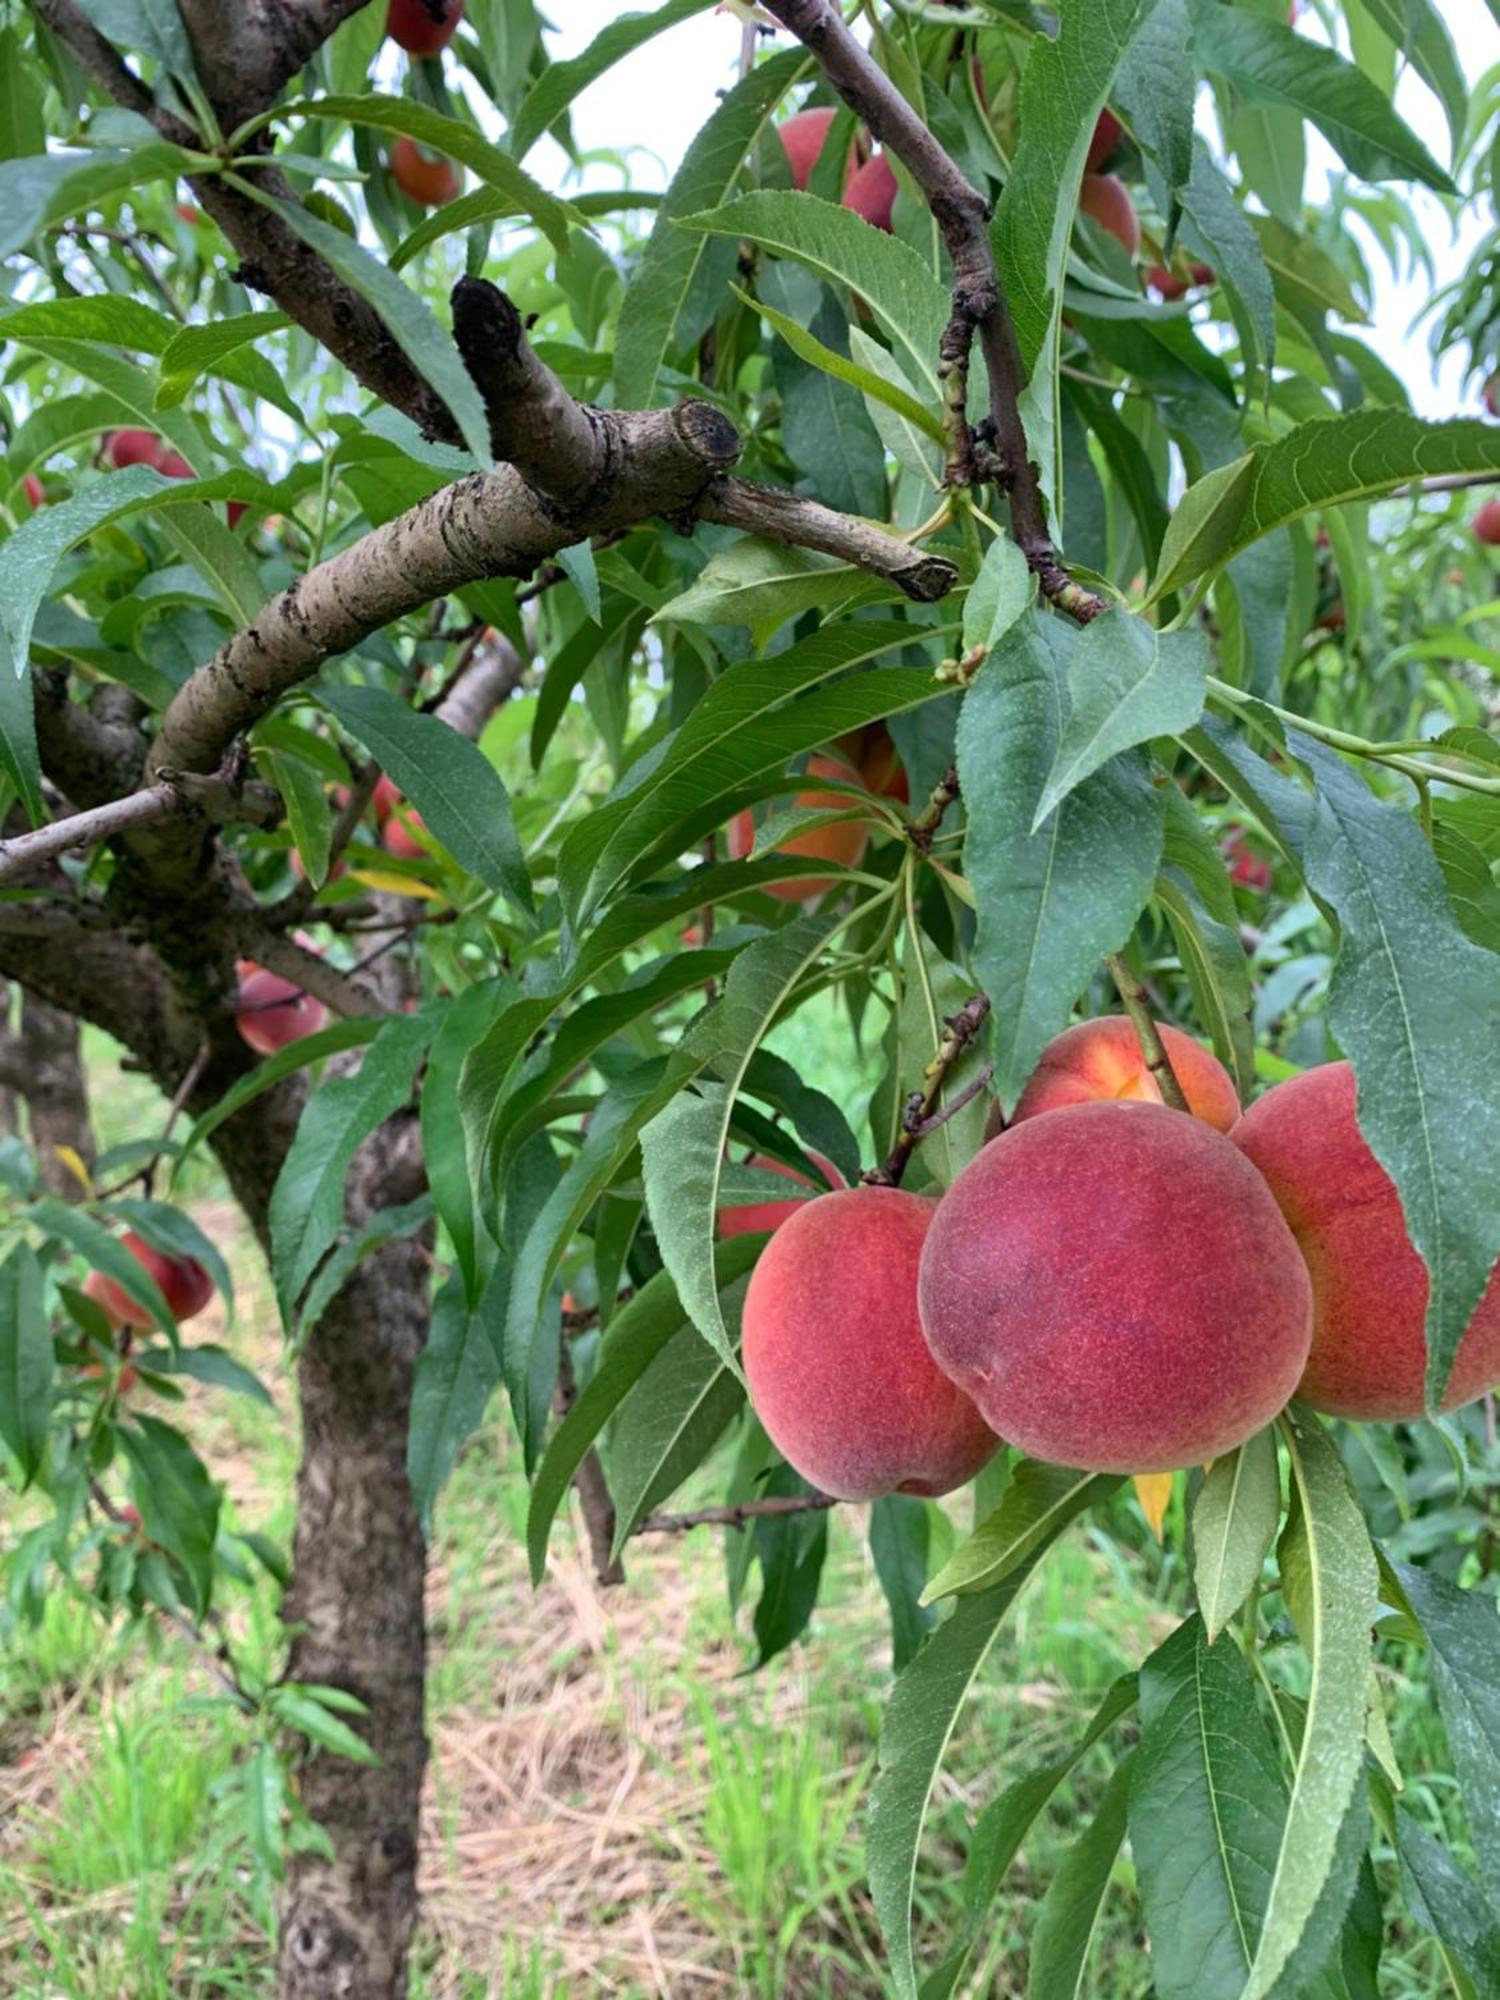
{"points": [[738, 1515], [921, 1114], [795, 521]]}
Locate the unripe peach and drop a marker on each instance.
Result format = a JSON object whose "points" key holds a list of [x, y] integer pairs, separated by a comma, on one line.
{"points": [[423, 27], [1487, 524], [1106, 199], [184, 1284], [400, 835], [843, 841], [1369, 1354], [1116, 1288], [749, 1217], [428, 178], [272, 1012], [1102, 145], [1102, 1060], [871, 192], [838, 1370], [133, 447]]}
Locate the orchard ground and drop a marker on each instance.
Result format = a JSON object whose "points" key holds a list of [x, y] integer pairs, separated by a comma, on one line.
{"points": [[614, 1806]]}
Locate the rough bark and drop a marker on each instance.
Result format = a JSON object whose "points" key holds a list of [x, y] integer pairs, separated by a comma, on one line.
{"points": [[51, 1079]]}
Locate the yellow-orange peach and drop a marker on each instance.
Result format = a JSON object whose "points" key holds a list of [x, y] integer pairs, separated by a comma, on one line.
{"points": [[1369, 1352], [843, 841], [838, 1370], [1117, 1290], [745, 1218], [1102, 1060]]}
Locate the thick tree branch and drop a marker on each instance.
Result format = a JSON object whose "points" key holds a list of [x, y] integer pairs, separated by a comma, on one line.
{"points": [[788, 518], [245, 52]]}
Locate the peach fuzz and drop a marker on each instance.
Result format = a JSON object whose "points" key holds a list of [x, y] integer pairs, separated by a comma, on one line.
{"points": [[1115, 1287], [184, 1284], [749, 1217], [1102, 1060], [1369, 1351], [838, 1370], [843, 841]]}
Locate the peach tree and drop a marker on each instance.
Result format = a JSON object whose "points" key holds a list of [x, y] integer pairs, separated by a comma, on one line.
{"points": [[486, 647]]}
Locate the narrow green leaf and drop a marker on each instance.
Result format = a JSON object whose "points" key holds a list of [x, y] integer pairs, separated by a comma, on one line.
{"points": [[560, 82], [1448, 1904], [449, 780], [900, 1530], [178, 1500], [26, 1361], [1234, 1522], [842, 369], [1074, 1902], [1194, 892], [1001, 594], [1463, 1634], [384, 1226], [1035, 1507], [457, 1372], [329, 1041]]}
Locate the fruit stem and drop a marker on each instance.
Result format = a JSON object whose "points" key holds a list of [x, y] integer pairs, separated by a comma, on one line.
{"points": [[1134, 1000]]}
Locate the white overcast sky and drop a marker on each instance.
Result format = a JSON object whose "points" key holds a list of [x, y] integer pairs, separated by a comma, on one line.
{"points": [[650, 105]]}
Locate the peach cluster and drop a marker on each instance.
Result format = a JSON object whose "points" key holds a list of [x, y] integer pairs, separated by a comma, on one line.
{"points": [[1109, 1284]]}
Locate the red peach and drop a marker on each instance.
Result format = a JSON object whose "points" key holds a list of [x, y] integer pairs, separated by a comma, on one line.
{"points": [[1116, 1288], [385, 799], [1491, 395], [172, 465], [837, 1368], [423, 27], [750, 1217], [843, 841], [1246, 868], [427, 178], [803, 137], [1106, 138], [1487, 524], [124, 448], [1369, 1353], [31, 486], [1106, 200], [400, 835], [1166, 284], [185, 1285], [272, 1012], [1102, 1060], [876, 759], [871, 192]]}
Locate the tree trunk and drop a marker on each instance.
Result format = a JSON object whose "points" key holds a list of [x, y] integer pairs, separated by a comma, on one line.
{"points": [[357, 1595], [41, 1064]]}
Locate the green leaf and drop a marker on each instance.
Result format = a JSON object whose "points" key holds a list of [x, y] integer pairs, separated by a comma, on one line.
{"points": [[1206, 1815], [1032, 1512], [681, 1407], [215, 1366], [45, 187], [1074, 1902], [150, 28], [178, 1500], [106, 1253], [1343, 1593], [296, 1708], [1409, 994], [301, 789], [26, 1361], [915, 1730], [1001, 594], [1063, 87], [1194, 892], [560, 82], [400, 1219], [1447, 1903], [329, 1041], [452, 784], [810, 349], [452, 1174], [1004, 1825], [457, 1372], [761, 584], [682, 1149], [1322, 463], [23, 129], [1269, 64], [790, 1550], [840, 246], [1127, 682], [1463, 1635], [220, 558], [217, 346], [646, 333], [307, 1202], [1234, 1523], [1472, 888], [636, 1336], [1050, 904], [900, 1531], [427, 344]]}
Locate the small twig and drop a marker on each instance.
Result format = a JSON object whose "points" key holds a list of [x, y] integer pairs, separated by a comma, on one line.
{"points": [[147, 1173], [738, 1515], [82, 829], [1134, 998], [591, 1486], [921, 1115], [921, 829]]}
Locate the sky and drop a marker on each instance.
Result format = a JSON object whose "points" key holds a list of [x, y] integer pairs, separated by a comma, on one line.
{"points": [[650, 106]]}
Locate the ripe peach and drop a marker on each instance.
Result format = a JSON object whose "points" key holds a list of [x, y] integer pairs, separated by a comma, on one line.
{"points": [[272, 1012], [1487, 523], [1102, 145], [185, 1285], [1491, 395], [385, 799], [1106, 199], [1246, 868], [427, 178], [423, 27], [400, 835], [842, 840], [803, 137], [31, 486], [1369, 1354], [746, 1219], [1115, 1291], [838, 1370], [132, 447], [172, 465], [876, 759], [1166, 284], [1102, 1060], [871, 192]]}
